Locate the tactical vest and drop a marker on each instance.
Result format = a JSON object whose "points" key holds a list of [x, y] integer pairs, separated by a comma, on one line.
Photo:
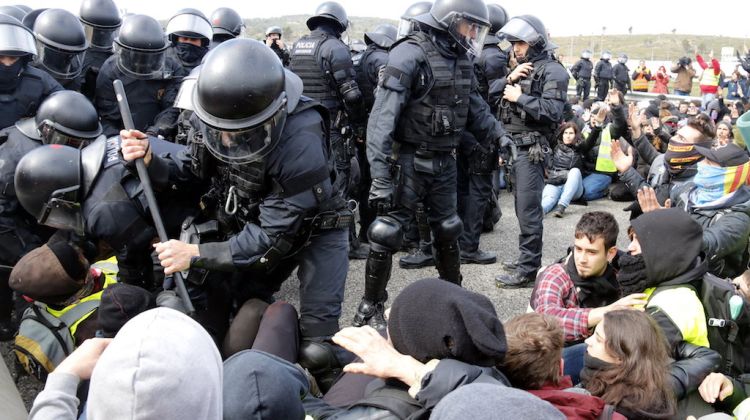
{"points": [[23, 101], [307, 64], [363, 78], [513, 116], [435, 120]]}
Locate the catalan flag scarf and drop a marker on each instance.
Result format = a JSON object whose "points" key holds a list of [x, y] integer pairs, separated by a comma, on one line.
{"points": [[716, 184]]}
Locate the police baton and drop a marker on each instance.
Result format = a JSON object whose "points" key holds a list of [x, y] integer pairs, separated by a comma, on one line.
{"points": [[127, 119]]}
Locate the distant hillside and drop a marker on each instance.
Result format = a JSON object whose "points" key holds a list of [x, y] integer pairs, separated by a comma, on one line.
{"points": [[647, 47]]}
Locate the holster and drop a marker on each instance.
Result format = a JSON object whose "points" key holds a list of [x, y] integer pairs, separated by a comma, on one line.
{"points": [[192, 233]]}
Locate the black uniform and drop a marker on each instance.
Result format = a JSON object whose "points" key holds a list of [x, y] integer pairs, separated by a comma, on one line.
{"points": [[532, 121], [581, 71], [603, 76], [23, 97], [621, 74], [188, 56], [92, 64], [151, 101]]}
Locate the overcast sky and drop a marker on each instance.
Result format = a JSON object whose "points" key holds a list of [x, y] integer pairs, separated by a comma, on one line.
{"points": [[562, 18]]}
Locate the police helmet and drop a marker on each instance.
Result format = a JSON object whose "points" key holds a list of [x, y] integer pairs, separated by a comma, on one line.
{"points": [[606, 55], [529, 29], [406, 25], [586, 54], [67, 117], [13, 11], [184, 99], [30, 18], [623, 58], [384, 35], [498, 18], [23, 7], [227, 23], [139, 47], [61, 41], [274, 30], [48, 184], [190, 23], [243, 115], [100, 19], [331, 12], [16, 40], [357, 46], [466, 21]]}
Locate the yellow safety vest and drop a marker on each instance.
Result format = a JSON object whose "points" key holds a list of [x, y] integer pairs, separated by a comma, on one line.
{"points": [[604, 162], [708, 78], [640, 82], [685, 310]]}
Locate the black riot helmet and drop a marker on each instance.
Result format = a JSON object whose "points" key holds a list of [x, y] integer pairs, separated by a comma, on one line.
{"points": [[226, 23], [384, 35], [606, 55], [466, 21], [23, 7], [67, 117], [140, 46], [331, 12], [16, 40], [184, 98], [13, 11], [30, 19], [48, 184], [243, 114], [275, 29], [586, 54], [498, 18], [61, 42], [406, 24], [100, 19], [190, 23], [623, 58], [529, 29]]}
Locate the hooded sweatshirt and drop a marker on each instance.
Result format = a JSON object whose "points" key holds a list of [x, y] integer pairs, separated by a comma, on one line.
{"points": [[161, 365]]}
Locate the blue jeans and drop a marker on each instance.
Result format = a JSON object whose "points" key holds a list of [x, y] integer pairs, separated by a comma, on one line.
{"points": [[595, 186], [573, 361], [705, 99], [681, 93], [563, 194]]}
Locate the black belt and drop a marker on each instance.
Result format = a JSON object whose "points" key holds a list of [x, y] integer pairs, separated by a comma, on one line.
{"points": [[332, 220]]}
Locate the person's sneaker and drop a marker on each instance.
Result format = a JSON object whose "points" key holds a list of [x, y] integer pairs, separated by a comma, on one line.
{"points": [[359, 253], [478, 257], [558, 211], [515, 280], [510, 265], [417, 258]]}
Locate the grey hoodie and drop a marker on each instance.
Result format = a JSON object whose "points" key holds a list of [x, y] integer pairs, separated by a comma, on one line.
{"points": [[161, 365]]}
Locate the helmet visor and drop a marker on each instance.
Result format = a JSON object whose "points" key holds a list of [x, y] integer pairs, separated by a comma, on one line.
{"points": [[405, 27], [586, 54], [519, 30], [15, 40], [184, 99], [52, 136], [61, 64], [140, 64], [248, 145], [190, 25], [63, 211], [101, 39], [468, 33]]}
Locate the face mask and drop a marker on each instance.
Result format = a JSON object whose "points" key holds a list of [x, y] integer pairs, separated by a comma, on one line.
{"points": [[632, 275], [190, 53], [680, 156], [715, 182], [9, 75]]}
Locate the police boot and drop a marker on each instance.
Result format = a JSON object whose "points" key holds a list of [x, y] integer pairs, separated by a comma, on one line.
{"points": [[448, 262], [371, 310], [418, 257], [318, 356]]}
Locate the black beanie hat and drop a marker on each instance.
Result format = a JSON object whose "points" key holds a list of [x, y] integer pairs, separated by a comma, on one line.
{"points": [[435, 319], [120, 302]]}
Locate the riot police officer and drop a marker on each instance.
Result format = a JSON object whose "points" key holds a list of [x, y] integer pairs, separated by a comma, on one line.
{"points": [[533, 97], [100, 19], [603, 76], [476, 163], [22, 87], [226, 24], [407, 24], [273, 41], [263, 149], [13, 11], [426, 98], [151, 80], [65, 117], [61, 42], [324, 64], [190, 34], [621, 74], [581, 72]]}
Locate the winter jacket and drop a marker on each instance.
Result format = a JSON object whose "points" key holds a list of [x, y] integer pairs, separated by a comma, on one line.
{"points": [[685, 76], [641, 77], [603, 70], [564, 158], [582, 69], [621, 74], [589, 147], [661, 83]]}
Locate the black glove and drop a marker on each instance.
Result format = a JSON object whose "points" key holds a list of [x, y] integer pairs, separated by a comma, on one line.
{"points": [[381, 193]]}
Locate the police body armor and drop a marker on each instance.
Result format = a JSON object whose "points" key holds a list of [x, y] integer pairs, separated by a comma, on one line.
{"points": [[24, 100], [363, 79], [307, 64], [435, 120]]}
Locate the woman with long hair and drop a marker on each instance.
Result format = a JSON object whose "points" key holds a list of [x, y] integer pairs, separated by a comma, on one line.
{"points": [[564, 179], [627, 365]]}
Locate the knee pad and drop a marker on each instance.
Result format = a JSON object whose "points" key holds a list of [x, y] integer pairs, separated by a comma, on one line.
{"points": [[449, 230], [385, 234]]}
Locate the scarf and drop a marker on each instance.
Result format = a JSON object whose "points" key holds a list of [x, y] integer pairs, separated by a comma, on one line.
{"points": [[594, 292], [592, 366], [9, 75], [190, 54], [632, 275], [680, 156], [715, 185]]}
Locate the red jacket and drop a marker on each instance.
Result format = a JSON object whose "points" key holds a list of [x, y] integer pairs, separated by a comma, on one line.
{"points": [[716, 67], [574, 405]]}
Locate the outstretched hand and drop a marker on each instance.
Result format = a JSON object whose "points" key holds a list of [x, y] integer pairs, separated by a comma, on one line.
{"points": [[622, 160], [647, 200]]}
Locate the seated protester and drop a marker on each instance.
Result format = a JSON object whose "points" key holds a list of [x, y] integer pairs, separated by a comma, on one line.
{"points": [[627, 365], [668, 275], [534, 362], [141, 373], [718, 198], [608, 121], [582, 288], [717, 109], [676, 166], [723, 133], [493, 402], [726, 394], [564, 181]]}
